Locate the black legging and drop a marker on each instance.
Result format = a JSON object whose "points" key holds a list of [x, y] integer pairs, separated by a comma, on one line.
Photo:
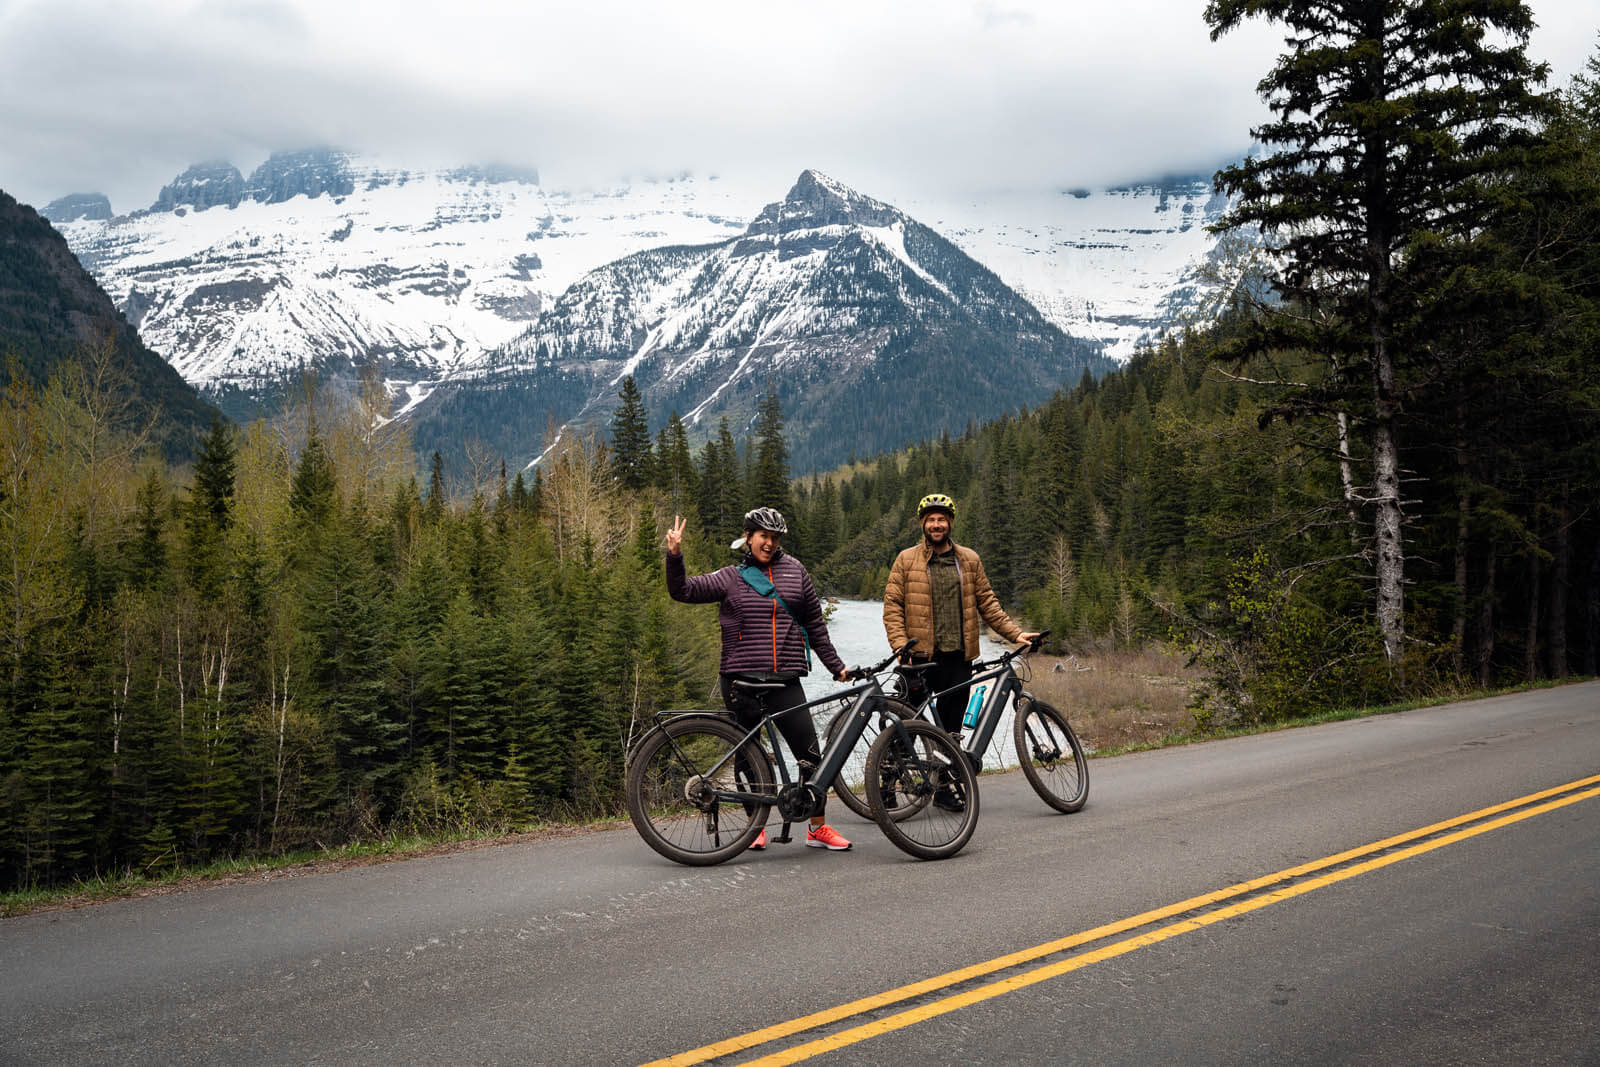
{"points": [[799, 733], [949, 668]]}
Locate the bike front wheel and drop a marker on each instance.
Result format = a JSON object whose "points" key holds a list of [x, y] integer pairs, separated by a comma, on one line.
{"points": [[1051, 755], [922, 789], [680, 784], [848, 787]]}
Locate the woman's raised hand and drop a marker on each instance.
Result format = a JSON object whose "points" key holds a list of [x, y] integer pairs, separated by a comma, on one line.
{"points": [[675, 535]]}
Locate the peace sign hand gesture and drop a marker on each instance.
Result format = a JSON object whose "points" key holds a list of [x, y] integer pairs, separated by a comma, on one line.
{"points": [[675, 535]]}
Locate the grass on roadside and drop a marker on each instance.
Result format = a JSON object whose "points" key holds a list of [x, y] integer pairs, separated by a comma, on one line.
{"points": [[264, 868], [1119, 701], [1139, 699]]}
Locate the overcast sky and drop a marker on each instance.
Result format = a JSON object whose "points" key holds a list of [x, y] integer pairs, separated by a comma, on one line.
{"points": [[895, 98]]}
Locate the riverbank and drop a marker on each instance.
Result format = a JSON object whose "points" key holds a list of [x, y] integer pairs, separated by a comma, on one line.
{"points": [[1116, 700]]}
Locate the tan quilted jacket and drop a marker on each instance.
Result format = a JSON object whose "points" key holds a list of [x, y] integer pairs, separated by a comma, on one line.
{"points": [[908, 601]]}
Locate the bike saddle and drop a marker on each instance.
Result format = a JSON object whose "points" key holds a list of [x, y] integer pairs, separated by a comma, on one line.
{"points": [[746, 683]]}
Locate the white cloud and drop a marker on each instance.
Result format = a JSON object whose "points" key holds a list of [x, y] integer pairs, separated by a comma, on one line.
{"points": [[891, 97]]}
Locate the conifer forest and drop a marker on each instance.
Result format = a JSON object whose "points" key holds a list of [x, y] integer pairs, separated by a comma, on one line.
{"points": [[1374, 476]]}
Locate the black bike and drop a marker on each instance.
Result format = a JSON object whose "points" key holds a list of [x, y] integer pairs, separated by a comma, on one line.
{"points": [[700, 787], [1050, 753]]}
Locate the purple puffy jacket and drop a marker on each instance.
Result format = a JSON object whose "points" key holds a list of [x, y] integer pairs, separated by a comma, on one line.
{"points": [[757, 634]]}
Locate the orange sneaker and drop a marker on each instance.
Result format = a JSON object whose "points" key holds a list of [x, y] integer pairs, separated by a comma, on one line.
{"points": [[825, 836], [759, 843]]}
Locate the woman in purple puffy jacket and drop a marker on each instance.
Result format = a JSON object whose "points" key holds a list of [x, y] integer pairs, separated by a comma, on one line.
{"points": [[762, 641]]}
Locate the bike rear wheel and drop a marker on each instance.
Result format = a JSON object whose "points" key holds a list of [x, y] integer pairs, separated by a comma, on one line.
{"points": [[848, 787], [924, 794], [677, 786], [1051, 755]]}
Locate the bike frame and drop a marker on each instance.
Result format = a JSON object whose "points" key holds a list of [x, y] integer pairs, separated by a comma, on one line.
{"points": [[976, 743], [868, 697]]}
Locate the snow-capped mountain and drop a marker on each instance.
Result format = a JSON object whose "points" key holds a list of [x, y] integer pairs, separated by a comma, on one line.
{"points": [[1118, 265], [324, 259], [872, 328]]}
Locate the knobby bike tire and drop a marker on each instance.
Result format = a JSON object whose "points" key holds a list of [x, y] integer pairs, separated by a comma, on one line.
{"points": [[851, 793], [1051, 755], [673, 762], [934, 779]]}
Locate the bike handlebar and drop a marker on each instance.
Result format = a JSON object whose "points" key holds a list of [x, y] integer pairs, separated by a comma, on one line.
{"points": [[1007, 657], [880, 666]]}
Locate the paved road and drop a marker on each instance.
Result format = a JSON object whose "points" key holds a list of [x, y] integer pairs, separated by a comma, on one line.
{"points": [[1473, 942]]}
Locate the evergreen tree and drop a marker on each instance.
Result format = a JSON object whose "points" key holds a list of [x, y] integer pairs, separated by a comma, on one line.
{"points": [[311, 492], [210, 510], [678, 476], [462, 723], [214, 473], [536, 494], [769, 484], [345, 630], [630, 438], [722, 489], [147, 562], [1389, 116], [534, 722], [438, 497], [822, 528], [420, 602], [57, 815]]}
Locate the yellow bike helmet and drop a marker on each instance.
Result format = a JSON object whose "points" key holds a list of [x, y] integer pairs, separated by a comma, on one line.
{"points": [[936, 502]]}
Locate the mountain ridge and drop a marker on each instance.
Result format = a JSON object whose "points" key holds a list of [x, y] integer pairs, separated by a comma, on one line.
{"points": [[51, 310], [432, 276], [871, 329]]}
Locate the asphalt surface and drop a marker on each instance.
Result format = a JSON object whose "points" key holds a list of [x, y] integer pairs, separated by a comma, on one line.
{"points": [[1477, 942]]}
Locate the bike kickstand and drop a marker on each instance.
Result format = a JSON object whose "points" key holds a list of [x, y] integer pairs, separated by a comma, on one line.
{"points": [[784, 838]]}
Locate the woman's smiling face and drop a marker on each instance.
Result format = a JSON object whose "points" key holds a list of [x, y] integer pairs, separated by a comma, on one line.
{"points": [[763, 545]]}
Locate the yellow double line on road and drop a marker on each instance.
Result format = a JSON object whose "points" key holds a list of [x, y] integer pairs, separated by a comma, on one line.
{"points": [[1427, 839]]}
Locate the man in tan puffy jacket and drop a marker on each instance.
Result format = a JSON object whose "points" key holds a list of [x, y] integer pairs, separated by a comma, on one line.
{"points": [[936, 594]]}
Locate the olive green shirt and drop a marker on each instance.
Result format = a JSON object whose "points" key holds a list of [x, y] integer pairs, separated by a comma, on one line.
{"points": [[944, 580]]}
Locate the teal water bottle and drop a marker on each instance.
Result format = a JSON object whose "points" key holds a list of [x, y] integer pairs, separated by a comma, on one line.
{"points": [[974, 706]]}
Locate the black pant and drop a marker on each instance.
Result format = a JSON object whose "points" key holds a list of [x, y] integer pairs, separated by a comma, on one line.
{"points": [[949, 668], [799, 732]]}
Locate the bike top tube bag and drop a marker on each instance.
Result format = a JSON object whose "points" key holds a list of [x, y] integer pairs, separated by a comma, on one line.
{"points": [[757, 579]]}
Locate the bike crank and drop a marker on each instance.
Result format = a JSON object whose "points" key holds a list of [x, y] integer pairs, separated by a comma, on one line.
{"points": [[798, 801]]}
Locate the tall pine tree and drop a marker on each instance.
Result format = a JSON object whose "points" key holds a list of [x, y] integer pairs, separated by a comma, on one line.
{"points": [[1389, 116], [630, 438]]}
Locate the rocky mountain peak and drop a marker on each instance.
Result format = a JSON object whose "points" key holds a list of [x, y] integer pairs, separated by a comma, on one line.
{"points": [[816, 202], [285, 175], [311, 172], [95, 207], [216, 183]]}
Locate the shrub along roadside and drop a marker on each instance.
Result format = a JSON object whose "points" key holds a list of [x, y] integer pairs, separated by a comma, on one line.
{"points": [[151, 882]]}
